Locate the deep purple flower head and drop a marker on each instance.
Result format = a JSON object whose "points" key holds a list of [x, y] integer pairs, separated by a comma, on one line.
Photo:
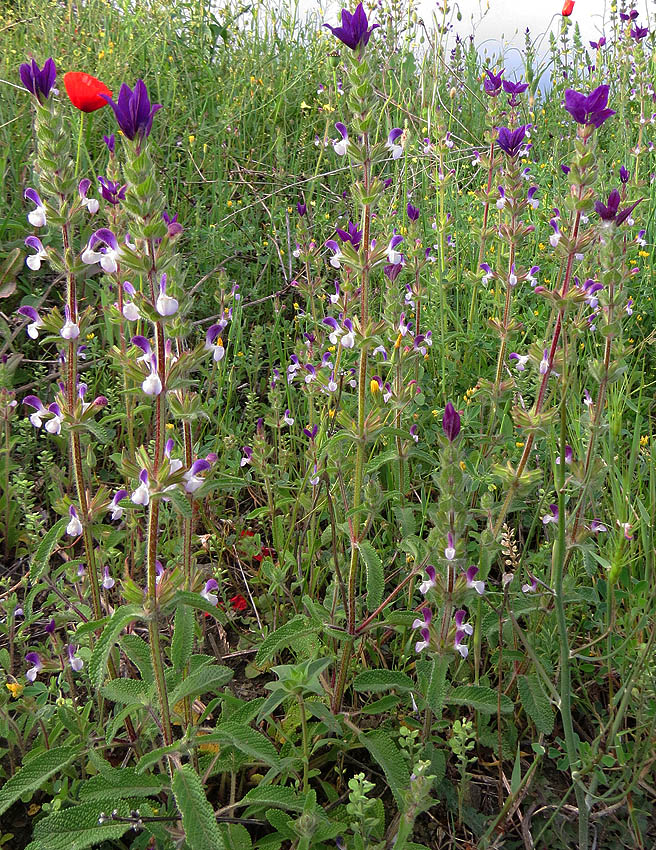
{"points": [[492, 84], [611, 211], [413, 212], [134, 112], [391, 272], [629, 16], [353, 235], [588, 109], [173, 226], [514, 88], [355, 31], [510, 141], [597, 45], [451, 422], [110, 141], [301, 209], [624, 175], [639, 33], [38, 81], [110, 191]]}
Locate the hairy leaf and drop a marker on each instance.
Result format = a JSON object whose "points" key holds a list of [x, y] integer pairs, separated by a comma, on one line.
{"points": [[34, 774], [198, 818], [386, 753], [479, 698], [536, 704], [122, 617], [383, 680], [375, 574], [208, 678]]}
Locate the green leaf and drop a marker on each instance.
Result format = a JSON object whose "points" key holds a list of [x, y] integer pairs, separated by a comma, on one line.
{"points": [[375, 574], [183, 636], [276, 796], [436, 690], [77, 828], [296, 628], [479, 698], [154, 756], [383, 680], [208, 678], [247, 740], [34, 774], [138, 651], [122, 617], [45, 549], [121, 783], [126, 691], [180, 502], [195, 600], [536, 704], [198, 818], [102, 433], [387, 754]]}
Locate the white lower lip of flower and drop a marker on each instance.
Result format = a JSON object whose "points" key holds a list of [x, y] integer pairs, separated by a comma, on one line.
{"points": [[117, 513], [425, 586], [69, 331], [74, 527], [93, 206], [37, 218], [108, 262], [212, 598], [130, 311], [33, 330], [141, 495], [34, 261], [193, 483], [449, 553], [219, 353], [53, 426], [348, 340], [36, 420], [152, 385], [77, 664], [166, 306], [31, 674], [90, 257]]}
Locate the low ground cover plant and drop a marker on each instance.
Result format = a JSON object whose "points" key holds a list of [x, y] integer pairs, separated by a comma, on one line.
{"points": [[328, 482]]}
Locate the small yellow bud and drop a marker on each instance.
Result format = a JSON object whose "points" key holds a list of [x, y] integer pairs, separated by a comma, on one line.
{"points": [[15, 689], [375, 388]]}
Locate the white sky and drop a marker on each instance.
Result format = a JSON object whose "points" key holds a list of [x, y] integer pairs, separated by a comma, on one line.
{"points": [[503, 22]]}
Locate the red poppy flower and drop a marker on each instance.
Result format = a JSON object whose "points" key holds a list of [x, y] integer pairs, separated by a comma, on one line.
{"points": [[238, 603], [84, 91], [568, 8], [246, 532]]}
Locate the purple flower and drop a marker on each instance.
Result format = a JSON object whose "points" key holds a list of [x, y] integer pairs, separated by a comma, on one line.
{"points": [[414, 433], [352, 235], [393, 255], [544, 363], [530, 197], [522, 360], [552, 517], [141, 496], [424, 643], [624, 175], [393, 271], [38, 81], [514, 88], [532, 587], [110, 191], [173, 226], [569, 454], [107, 582], [427, 616], [134, 112], [50, 627], [629, 16], [114, 507], [479, 586], [37, 218], [340, 145], [450, 551], [108, 254], [166, 305], [211, 344], [391, 144], [192, 477], [596, 526], [74, 660], [639, 32], [355, 31], [301, 209], [40, 410], [488, 274], [110, 141], [311, 433], [588, 109], [610, 212], [37, 666], [34, 260], [597, 45], [510, 141], [430, 582], [492, 85], [451, 422], [74, 527], [413, 212], [35, 320], [248, 455], [211, 584], [90, 203], [69, 330]]}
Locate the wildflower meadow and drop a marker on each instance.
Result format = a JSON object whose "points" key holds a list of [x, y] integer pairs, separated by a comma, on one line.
{"points": [[327, 407]]}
